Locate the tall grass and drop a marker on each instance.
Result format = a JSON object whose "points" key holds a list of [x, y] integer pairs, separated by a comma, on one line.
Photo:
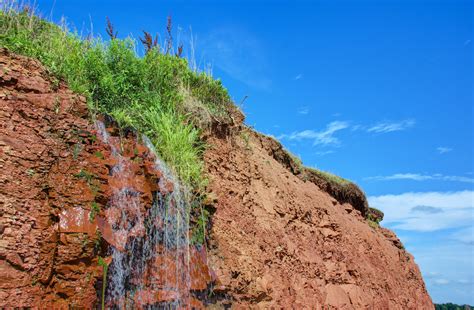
{"points": [[146, 93], [331, 178]]}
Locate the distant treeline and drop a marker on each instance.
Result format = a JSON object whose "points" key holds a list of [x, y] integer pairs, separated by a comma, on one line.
{"points": [[450, 306]]}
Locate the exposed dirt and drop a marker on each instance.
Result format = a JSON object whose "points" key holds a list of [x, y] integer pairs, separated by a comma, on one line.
{"points": [[56, 216], [343, 193], [280, 242], [45, 140]]}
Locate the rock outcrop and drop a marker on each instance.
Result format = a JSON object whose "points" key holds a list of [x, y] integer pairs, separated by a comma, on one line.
{"points": [[56, 184], [278, 241], [278, 238]]}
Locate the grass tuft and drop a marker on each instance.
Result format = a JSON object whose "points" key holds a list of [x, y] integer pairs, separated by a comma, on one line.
{"points": [[331, 178]]}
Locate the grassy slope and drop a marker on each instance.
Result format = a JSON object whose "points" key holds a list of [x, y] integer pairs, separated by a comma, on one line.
{"points": [[151, 94]]}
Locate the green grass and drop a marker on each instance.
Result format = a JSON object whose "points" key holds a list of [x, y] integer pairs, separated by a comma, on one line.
{"points": [[373, 224], [297, 160], [146, 93], [331, 178], [95, 209], [375, 216], [105, 267]]}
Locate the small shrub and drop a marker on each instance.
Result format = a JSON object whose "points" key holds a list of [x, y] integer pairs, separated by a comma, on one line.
{"points": [[99, 154], [76, 150], [375, 216], [373, 224], [198, 235], [85, 175], [98, 238], [95, 209]]}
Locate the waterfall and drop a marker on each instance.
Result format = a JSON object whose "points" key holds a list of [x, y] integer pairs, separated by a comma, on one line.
{"points": [[149, 244]]}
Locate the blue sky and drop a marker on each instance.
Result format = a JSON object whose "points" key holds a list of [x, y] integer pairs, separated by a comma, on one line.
{"points": [[379, 92]]}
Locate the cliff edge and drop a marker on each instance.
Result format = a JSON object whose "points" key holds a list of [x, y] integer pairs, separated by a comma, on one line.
{"points": [[280, 240]]}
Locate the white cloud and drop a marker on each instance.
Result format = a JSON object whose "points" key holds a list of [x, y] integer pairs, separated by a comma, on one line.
{"points": [[298, 77], [401, 176], [322, 153], [303, 110], [454, 210], [442, 149], [426, 209], [442, 260], [464, 281], [324, 137], [440, 281], [422, 177], [456, 178], [431, 274], [386, 126]]}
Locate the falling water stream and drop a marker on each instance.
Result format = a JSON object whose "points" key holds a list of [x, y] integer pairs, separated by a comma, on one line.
{"points": [[150, 252]]}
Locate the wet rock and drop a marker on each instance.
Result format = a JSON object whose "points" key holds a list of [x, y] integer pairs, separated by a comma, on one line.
{"points": [[58, 214], [77, 220]]}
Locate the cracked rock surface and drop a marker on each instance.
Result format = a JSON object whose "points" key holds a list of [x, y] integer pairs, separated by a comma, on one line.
{"points": [[278, 241]]}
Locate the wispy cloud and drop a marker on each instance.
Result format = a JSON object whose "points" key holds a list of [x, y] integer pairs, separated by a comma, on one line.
{"points": [[443, 149], [303, 110], [323, 137], [298, 77], [327, 136], [426, 209], [442, 260], [440, 281], [436, 278], [322, 153], [454, 210], [387, 126], [465, 235], [422, 177]]}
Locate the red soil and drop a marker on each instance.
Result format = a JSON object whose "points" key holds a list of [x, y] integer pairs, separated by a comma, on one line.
{"points": [[281, 242]]}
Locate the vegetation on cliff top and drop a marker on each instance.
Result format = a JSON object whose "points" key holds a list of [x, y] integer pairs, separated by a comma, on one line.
{"points": [[156, 94]]}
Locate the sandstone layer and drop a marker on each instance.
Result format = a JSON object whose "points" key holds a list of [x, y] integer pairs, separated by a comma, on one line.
{"points": [[278, 241]]}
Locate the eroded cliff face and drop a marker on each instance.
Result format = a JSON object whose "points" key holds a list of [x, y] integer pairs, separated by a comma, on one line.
{"points": [[278, 239], [45, 140], [69, 193], [281, 242]]}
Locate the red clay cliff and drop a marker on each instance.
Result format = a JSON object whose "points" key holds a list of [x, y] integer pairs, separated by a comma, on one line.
{"points": [[277, 240]]}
